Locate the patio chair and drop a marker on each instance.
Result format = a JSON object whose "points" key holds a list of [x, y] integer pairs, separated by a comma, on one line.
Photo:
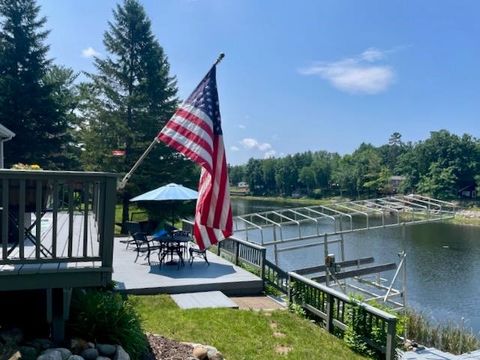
{"points": [[132, 228], [194, 251], [143, 245]]}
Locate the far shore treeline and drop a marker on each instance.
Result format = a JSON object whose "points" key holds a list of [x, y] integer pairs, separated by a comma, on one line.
{"points": [[444, 166], [104, 120]]}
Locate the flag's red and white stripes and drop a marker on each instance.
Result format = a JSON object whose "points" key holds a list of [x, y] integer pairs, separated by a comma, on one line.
{"points": [[191, 132]]}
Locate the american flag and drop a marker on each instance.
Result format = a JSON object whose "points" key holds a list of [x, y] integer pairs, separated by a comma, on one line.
{"points": [[195, 131]]}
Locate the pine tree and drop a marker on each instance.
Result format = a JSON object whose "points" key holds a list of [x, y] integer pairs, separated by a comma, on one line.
{"points": [[131, 98], [27, 102]]}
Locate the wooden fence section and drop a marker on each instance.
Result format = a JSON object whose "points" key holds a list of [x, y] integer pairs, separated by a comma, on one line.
{"points": [[376, 327], [77, 209]]}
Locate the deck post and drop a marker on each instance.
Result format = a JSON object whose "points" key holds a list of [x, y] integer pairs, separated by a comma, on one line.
{"points": [[329, 311], [56, 309], [237, 252], [390, 346], [109, 223], [262, 266]]}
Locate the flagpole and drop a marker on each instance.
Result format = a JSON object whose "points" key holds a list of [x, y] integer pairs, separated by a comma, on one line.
{"points": [[125, 179]]}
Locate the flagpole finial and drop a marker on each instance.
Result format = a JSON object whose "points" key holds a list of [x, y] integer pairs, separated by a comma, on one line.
{"points": [[220, 58]]}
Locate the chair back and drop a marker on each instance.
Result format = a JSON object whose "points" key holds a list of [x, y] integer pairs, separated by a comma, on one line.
{"points": [[181, 235], [140, 239], [133, 227]]}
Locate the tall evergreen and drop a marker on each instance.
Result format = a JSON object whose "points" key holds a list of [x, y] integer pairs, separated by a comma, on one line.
{"points": [[27, 102], [132, 97]]}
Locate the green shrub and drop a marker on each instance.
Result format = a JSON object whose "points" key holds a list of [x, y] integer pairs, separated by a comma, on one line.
{"points": [[357, 331], [105, 317]]}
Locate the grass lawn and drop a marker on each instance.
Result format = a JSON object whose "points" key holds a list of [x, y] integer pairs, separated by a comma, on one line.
{"points": [[241, 334]]}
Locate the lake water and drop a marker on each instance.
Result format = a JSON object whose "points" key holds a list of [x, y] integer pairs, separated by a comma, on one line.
{"points": [[443, 262]]}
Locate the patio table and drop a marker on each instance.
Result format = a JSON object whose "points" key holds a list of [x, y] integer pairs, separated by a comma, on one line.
{"points": [[173, 243]]}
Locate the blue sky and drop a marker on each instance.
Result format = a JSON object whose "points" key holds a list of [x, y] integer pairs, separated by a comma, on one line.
{"points": [[306, 75]]}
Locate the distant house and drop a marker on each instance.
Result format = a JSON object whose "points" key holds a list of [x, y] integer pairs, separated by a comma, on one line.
{"points": [[395, 182], [469, 192], [5, 135], [241, 189]]}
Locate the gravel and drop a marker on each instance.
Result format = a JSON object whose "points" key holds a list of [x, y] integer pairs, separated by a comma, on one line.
{"points": [[167, 349]]}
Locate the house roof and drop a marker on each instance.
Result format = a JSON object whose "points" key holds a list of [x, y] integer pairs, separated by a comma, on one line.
{"points": [[5, 134], [397, 177]]}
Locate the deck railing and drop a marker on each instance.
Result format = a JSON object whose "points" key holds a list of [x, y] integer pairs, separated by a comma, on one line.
{"points": [[276, 277], [375, 327], [79, 207]]}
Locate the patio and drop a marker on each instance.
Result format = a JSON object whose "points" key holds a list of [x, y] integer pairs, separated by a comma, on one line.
{"points": [[141, 278]]}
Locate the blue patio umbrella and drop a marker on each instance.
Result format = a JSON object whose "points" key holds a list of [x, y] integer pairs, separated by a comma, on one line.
{"points": [[170, 192]]}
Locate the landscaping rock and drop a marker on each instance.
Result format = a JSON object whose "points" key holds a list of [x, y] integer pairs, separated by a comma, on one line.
{"points": [[200, 352], [78, 345], [76, 357], [107, 350], [28, 352], [89, 354], [121, 354], [103, 358], [51, 355], [214, 354], [65, 353]]}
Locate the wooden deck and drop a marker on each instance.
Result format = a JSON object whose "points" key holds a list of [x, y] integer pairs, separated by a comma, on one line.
{"points": [[141, 278], [57, 263]]}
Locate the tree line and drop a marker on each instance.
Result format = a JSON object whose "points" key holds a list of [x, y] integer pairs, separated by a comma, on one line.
{"points": [[67, 120], [440, 166]]}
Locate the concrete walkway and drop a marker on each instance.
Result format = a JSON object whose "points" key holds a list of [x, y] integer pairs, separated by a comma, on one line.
{"points": [[257, 303]]}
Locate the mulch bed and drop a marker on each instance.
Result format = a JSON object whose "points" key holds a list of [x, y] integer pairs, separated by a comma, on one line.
{"points": [[167, 349]]}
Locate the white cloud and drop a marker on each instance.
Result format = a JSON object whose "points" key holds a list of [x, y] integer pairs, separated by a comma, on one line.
{"points": [[264, 147], [241, 126], [90, 52], [248, 143], [269, 154], [234, 148], [357, 75], [372, 55], [253, 144]]}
